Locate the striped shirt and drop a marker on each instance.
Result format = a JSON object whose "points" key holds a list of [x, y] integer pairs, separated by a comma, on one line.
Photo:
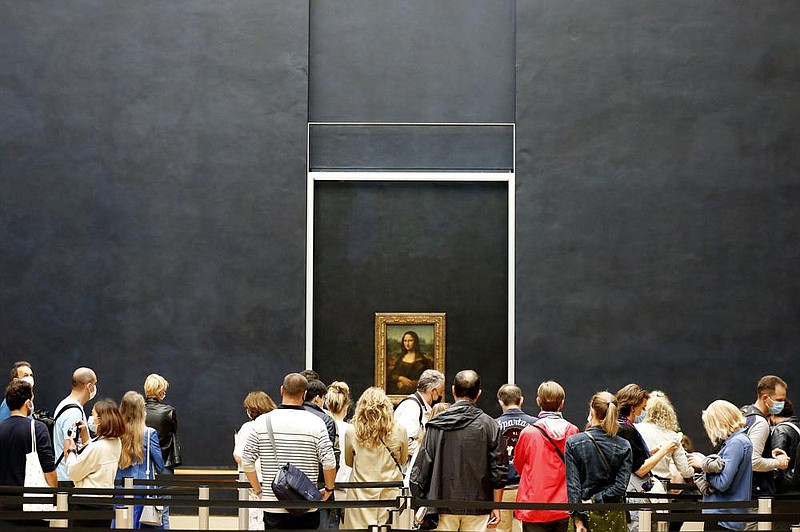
{"points": [[300, 438]]}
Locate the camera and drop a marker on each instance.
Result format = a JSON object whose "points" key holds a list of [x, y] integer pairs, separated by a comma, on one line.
{"points": [[72, 432]]}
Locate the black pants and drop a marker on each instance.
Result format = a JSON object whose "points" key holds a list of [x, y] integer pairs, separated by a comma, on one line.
{"points": [[307, 521]]}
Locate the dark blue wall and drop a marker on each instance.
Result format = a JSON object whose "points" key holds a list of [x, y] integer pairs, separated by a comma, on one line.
{"points": [[152, 162]]}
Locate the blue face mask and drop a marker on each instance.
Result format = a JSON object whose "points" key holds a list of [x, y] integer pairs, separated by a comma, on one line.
{"points": [[640, 417], [777, 407]]}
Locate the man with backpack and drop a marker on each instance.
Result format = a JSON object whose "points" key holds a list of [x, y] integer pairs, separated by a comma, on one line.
{"points": [[69, 411], [771, 398]]}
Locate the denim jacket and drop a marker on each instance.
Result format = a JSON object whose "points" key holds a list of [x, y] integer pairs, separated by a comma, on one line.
{"points": [[587, 476]]}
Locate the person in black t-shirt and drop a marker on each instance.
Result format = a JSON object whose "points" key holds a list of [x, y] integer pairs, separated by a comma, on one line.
{"points": [[15, 443]]}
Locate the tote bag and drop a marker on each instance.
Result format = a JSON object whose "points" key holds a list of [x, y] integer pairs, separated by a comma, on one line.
{"points": [[151, 515], [34, 477]]}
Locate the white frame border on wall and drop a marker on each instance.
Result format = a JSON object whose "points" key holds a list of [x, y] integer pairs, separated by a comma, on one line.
{"points": [[378, 176]]}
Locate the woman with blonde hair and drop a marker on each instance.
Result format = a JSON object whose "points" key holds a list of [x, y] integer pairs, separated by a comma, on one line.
{"points": [[374, 447], [337, 401], [164, 419], [255, 404], [141, 454], [659, 429], [725, 476], [598, 467]]}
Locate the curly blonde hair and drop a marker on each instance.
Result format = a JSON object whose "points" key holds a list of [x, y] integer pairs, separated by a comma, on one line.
{"points": [[660, 412], [373, 419]]}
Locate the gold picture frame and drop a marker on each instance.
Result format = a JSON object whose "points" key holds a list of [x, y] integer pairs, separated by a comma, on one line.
{"points": [[392, 331]]}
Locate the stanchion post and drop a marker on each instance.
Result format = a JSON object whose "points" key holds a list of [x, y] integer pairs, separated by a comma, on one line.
{"points": [[127, 483], [122, 517], [244, 513], [645, 520], [764, 508], [405, 516], [203, 494], [62, 505]]}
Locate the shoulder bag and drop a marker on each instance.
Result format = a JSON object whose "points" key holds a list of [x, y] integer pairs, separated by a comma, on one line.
{"points": [[34, 477], [608, 520], [151, 515], [290, 483]]}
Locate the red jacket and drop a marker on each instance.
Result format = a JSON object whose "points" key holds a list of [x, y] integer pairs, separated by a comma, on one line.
{"points": [[542, 471]]}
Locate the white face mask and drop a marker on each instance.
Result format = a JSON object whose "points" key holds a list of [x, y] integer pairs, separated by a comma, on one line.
{"points": [[32, 407], [28, 379], [91, 425], [93, 393]]}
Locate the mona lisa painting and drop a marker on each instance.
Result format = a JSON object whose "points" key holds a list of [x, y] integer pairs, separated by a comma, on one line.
{"points": [[406, 344]]}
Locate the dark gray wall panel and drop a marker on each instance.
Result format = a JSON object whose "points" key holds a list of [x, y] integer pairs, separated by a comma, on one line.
{"points": [[410, 247], [658, 182], [411, 147], [412, 61], [153, 192]]}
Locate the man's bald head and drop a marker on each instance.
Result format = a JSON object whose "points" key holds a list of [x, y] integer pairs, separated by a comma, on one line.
{"points": [[294, 385], [82, 377]]}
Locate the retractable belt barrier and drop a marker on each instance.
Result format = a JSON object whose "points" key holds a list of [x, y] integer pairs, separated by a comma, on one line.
{"points": [[196, 493]]}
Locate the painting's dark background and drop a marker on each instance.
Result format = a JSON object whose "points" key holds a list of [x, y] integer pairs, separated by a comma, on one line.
{"points": [[153, 194]]}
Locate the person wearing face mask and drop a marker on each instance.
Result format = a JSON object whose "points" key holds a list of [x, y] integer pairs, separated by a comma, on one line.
{"points": [[255, 404], [21, 370], [70, 411], [631, 402], [413, 411], [771, 391], [15, 443]]}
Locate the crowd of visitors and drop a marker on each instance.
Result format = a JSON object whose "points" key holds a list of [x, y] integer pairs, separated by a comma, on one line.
{"points": [[136, 438], [631, 442]]}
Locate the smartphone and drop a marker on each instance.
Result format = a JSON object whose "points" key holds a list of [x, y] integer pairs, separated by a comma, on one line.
{"points": [[492, 520]]}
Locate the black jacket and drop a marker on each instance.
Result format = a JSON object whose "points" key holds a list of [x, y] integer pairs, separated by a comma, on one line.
{"points": [[330, 424], [784, 436], [461, 458], [164, 419]]}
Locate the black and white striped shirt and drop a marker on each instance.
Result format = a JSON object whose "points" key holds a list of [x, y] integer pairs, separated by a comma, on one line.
{"points": [[300, 438]]}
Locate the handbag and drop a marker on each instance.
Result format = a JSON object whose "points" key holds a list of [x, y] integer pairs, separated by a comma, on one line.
{"points": [[34, 477], [152, 515], [291, 484]]}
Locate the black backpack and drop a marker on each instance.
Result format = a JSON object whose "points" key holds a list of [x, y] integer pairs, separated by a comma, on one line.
{"points": [[50, 421], [763, 481]]}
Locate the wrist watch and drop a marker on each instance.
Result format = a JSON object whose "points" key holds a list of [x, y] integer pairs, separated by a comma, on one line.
{"points": [[326, 488]]}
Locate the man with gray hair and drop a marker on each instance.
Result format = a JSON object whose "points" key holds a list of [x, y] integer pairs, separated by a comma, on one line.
{"points": [[413, 411]]}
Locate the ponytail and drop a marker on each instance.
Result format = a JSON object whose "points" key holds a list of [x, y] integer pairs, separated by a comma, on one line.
{"points": [[610, 424], [604, 407]]}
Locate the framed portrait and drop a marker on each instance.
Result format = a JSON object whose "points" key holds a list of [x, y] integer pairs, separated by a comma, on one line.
{"points": [[406, 344]]}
